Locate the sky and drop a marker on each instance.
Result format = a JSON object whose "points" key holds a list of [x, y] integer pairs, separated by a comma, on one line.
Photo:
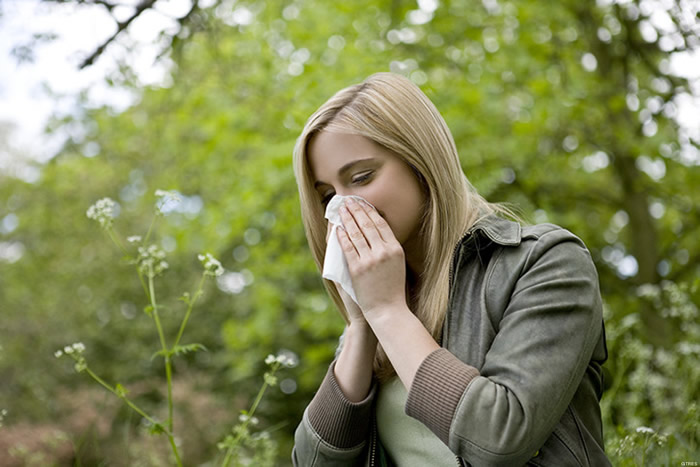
{"points": [[25, 99], [31, 92]]}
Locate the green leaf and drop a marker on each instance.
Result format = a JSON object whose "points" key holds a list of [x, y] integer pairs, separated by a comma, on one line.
{"points": [[161, 353], [121, 390], [156, 429], [184, 349]]}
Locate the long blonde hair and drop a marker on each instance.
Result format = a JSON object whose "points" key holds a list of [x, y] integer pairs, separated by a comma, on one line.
{"points": [[394, 113]]}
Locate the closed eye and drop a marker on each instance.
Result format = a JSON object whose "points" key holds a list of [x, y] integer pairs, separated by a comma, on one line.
{"points": [[327, 198], [358, 179], [363, 177]]}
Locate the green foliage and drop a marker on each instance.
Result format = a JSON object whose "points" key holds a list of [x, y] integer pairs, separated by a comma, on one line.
{"points": [[150, 263], [655, 405], [562, 108]]}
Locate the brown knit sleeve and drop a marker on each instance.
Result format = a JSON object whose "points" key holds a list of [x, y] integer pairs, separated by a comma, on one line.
{"points": [[437, 388], [338, 421]]}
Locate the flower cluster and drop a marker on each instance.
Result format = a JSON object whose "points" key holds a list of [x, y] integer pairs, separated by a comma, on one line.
{"points": [[638, 442], [151, 260], [645, 430], [75, 351], [243, 418], [283, 359], [167, 199], [212, 266], [103, 212]]}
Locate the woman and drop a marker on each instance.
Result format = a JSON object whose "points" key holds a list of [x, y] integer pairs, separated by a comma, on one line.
{"points": [[474, 341]]}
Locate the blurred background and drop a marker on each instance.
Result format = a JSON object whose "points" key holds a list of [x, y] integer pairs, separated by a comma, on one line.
{"points": [[584, 114]]}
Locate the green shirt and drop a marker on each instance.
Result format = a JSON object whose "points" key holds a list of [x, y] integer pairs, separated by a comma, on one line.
{"points": [[407, 441]]}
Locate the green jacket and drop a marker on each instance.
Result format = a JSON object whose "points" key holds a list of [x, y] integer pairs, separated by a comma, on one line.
{"points": [[518, 379]]}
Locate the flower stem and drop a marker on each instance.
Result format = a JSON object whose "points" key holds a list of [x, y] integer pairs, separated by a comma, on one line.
{"points": [[150, 229], [168, 431], [261, 393], [152, 297], [229, 452], [143, 284], [190, 304], [115, 238], [164, 345], [174, 446], [250, 413], [128, 402]]}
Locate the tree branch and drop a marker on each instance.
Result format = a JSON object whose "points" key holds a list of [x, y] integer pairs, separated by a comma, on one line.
{"points": [[183, 22], [121, 26]]}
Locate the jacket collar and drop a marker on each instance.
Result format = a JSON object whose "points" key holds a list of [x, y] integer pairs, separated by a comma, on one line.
{"points": [[498, 230]]}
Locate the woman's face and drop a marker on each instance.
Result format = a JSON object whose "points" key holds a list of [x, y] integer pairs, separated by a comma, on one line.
{"points": [[348, 164]]}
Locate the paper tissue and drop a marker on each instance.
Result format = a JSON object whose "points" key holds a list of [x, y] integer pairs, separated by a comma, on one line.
{"points": [[335, 267]]}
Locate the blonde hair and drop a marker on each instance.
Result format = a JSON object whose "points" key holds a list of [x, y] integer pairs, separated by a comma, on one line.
{"points": [[394, 113]]}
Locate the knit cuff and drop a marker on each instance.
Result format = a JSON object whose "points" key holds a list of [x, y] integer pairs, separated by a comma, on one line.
{"points": [[338, 421], [437, 388]]}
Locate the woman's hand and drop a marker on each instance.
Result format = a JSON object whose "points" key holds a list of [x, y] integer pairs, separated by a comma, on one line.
{"points": [[377, 266], [354, 313], [375, 258]]}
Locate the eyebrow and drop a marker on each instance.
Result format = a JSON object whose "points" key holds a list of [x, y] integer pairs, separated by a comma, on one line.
{"points": [[344, 169]]}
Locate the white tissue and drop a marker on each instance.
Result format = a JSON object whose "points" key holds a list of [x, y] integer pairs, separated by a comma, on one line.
{"points": [[335, 267]]}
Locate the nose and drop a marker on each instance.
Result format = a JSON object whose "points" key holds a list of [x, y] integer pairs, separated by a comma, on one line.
{"points": [[351, 192]]}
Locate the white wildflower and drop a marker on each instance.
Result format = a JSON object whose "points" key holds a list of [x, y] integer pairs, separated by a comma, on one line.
{"points": [[134, 239], [212, 266], [73, 349], [645, 429], [168, 195], [284, 358], [103, 212], [151, 260], [243, 418], [167, 199], [288, 359]]}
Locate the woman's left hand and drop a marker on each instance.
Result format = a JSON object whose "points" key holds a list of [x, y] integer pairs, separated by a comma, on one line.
{"points": [[375, 258]]}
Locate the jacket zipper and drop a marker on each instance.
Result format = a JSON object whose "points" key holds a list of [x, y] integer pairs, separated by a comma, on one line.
{"points": [[373, 444]]}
